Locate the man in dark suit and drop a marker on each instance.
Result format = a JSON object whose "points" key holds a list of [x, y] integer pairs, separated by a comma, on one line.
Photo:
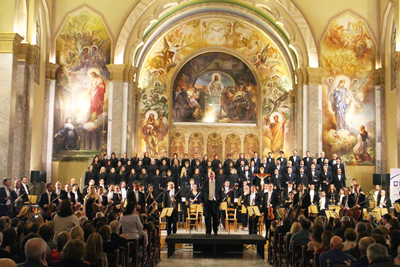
{"points": [[294, 169], [172, 199], [5, 196], [211, 198], [333, 160], [245, 175], [70, 194], [276, 179], [279, 166], [302, 199], [46, 199], [384, 201], [307, 159], [270, 200], [270, 163], [166, 158], [321, 159], [302, 178], [18, 196], [339, 179], [282, 159], [323, 203], [253, 168], [289, 177], [314, 197], [313, 176], [295, 159], [136, 196], [348, 200], [253, 200], [325, 178], [337, 166], [287, 190], [256, 159], [60, 193], [24, 185]]}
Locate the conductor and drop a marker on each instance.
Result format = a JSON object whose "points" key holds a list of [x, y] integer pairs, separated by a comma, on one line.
{"points": [[211, 198]]}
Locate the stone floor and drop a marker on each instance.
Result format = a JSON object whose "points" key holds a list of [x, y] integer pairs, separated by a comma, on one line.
{"points": [[184, 256]]}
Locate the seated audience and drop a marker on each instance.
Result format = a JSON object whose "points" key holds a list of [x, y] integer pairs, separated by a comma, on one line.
{"points": [[62, 239], [378, 256], [94, 250], [35, 253], [335, 254]]}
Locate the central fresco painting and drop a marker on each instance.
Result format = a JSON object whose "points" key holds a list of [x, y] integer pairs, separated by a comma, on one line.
{"points": [[214, 86]]}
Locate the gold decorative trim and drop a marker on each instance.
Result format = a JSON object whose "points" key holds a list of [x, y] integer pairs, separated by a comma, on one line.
{"points": [[396, 56], [313, 75], [51, 70], [116, 72], [9, 42], [379, 76]]}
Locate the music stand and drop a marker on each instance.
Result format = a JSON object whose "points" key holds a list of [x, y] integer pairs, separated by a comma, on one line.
{"points": [[312, 209], [281, 213], [382, 211], [397, 207]]}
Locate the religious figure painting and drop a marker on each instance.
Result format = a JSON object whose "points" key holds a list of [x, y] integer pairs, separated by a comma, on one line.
{"points": [[348, 53], [215, 87], [83, 51]]}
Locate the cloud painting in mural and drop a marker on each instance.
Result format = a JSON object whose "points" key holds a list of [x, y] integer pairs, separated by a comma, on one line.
{"points": [[348, 53]]}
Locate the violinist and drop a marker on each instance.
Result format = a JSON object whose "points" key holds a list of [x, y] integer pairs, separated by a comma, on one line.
{"points": [[270, 200], [77, 195], [359, 201], [171, 200], [340, 197], [122, 188], [118, 199], [314, 197], [384, 201], [60, 193], [332, 194], [136, 196], [228, 197], [193, 194], [70, 194], [253, 199], [347, 201], [92, 203], [287, 190], [245, 194], [323, 203], [150, 198], [20, 193], [110, 198], [301, 201], [46, 201]]}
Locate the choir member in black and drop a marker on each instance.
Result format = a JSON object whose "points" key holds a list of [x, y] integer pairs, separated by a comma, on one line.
{"points": [[104, 160], [199, 167], [323, 204], [253, 168], [244, 195], [307, 159], [211, 197], [321, 159], [188, 169], [46, 200], [241, 168], [108, 166], [254, 200], [194, 195], [246, 175], [18, 197], [113, 177], [114, 160], [157, 161], [383, 201], [270, 200], [233, 178], [195, 158], [134, 160], [119, 166], [110, 202], [25, 185], [131, 178], [124, 159], [70, 194], [77, 195], [227, 162], [332, 194], [302, 178], [183, 180], [277, 180], [139, 167], [96, 166], [289, 177], [215, 163], [313, 176], [221, 176], [305, 168], [256, 160], [337, 166], [92, 203], [157, 184], [325, 178], [151, 169], [146, 160], [271, 163], [294, 169], [103, 197], [90, 175], [240, 159], [282, 159], [175, 169], [339, 179], [167, 161], [228, 197], [294, 158], [144, 177], [136, 196], [169, 178], [348, 200], [314, 197], [172, 199], [150, 198], [185, 159], [129, 166], [302, 200], [118, 200], [102, 174]]}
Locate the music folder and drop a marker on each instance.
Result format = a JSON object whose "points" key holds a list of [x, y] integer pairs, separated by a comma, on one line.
{"points": [[253, 210], [166, 212]]}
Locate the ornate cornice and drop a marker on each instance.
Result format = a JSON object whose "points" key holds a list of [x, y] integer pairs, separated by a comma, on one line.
{"points": [[51, 70], [9, 42]]}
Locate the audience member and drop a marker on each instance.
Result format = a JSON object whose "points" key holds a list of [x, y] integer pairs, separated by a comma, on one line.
{"points": [[335, 255]]}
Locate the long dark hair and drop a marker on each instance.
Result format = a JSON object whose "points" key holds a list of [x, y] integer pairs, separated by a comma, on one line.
{"points": [[130, 207], [65, 208]]}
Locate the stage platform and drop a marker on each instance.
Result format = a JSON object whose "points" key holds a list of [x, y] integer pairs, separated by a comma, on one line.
{"points": [[219, 243]]}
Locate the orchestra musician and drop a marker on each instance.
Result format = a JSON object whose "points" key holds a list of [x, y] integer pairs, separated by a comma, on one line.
{"points": [[270, 200], [359, 199], [60, 193], [245, 194], [347, 201], [172, 199], [136, 196], [332, 194], [77, 195], [301, 201], [6, 197], [70, 194], [253, 199], [383, 201], [46, 201], [323, 203], [92, 203], [118, 199]]}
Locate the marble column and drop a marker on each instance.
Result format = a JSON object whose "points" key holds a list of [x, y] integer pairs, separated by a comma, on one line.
{"points": [[131, 116], [9, 43], [310, 97], [396, 56], [298, 113], [120, 115], [380, 121], [22, 133], [48, 120]]}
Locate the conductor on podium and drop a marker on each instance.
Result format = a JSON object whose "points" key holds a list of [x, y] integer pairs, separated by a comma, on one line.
{"points": [[211, 198]]}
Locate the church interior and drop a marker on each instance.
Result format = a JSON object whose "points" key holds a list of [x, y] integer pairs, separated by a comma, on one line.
{"points": [[197, 77]]}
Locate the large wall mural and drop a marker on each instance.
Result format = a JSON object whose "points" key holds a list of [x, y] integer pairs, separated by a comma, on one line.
{"points": [[348, 53], [258, 53], [83, 51]]}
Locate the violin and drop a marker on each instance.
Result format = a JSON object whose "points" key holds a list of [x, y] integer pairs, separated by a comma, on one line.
{"points": [[270, 215], [50, 207]]}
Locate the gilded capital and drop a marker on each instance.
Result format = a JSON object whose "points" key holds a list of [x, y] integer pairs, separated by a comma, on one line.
{"points": [[116, 72], [313, 75], [51, 70], [299, 76], [9, 42], [396, 56], [379, 76]]}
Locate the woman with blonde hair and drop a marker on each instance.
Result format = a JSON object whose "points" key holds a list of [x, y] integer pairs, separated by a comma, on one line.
{"points": [[91, 201], [94, 250]]}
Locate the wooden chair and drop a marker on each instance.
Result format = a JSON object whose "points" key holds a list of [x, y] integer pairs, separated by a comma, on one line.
{"points": [[230, 216], [280, 248], [200, 215], [269, 249], [272, 247], [261, 224], [192, 218], [306, 255], [132, 253], [316, 259], [330, 264], [296, 249], [113, 258]]}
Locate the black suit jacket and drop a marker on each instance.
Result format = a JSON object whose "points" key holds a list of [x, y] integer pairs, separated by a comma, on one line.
{"points": [[305, 202], [167, 198], [283, 161], [388, 202], [3, 195], [295, 163], [309, 162], [131, 197], [350, 200], [257, 162], [302, 180], [45, 201], [325, 177], [336, 167], [320, 161], [71, 197], [257, 201], [205, 192], [274, 201], [24, 197], [316, 197]]}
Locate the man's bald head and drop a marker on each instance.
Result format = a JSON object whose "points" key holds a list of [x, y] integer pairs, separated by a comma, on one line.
{"points": [[35, 249], [336, 243], [364, 243], [7, 263]]}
